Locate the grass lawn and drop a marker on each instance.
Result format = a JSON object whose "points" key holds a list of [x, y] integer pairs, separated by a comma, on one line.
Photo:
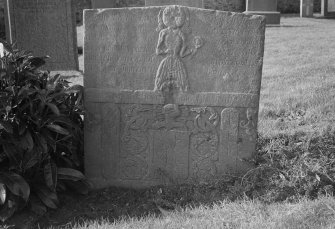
{"points": [[297, 96], [318, 214], [298, 85]]}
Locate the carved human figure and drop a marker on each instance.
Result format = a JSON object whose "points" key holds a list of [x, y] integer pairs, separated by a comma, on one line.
{"points": [[171, 72]]}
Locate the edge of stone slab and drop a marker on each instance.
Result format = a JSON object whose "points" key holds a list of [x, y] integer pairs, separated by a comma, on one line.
{"points": [[229, 13]]}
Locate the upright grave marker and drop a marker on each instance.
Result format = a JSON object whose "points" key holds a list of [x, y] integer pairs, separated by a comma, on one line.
{"points": [[2, 50], [171, 94], [267, 8], [45, 27], [328, 8], [306, 8], [190, 3], [96, 4]]}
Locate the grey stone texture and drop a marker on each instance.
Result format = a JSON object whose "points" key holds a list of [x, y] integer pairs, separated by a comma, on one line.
{"points": [[45, 27], [306, 8], [190, 3], [103, 4], [328, 8], [267, 8], [171, 94]]}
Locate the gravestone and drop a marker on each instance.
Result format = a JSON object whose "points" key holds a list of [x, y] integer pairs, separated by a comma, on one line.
{"points": [[171, 94], [2, 50], [267, 8], [190, 3], [45, 27], [96, 4], [328, 8], [306, 8]]}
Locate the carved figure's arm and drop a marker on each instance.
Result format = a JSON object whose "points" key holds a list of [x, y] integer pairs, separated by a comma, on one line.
{"points": [[184, 51], [159, 50]]}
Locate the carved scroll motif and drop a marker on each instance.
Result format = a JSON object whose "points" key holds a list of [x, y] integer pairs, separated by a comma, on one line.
{"points": [[173, 27], [204, 142], [134, 143], [174, 132]]}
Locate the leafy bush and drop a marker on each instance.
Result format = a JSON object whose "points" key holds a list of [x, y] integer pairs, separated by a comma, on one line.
{"points": [[288, 167], [41, 137]]}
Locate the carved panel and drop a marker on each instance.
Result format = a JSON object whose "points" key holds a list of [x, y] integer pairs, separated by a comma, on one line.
{"points": [[174, 27]]}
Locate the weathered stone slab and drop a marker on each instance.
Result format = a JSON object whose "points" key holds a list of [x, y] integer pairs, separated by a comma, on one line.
{"points": [[97, 4], [328, 8], [190, 3], [267, 8], [2, 50], [331, 6], [306, 8], [45, 27], [171, 94]]}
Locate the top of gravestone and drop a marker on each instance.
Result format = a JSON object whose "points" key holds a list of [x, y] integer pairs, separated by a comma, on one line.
{"points": [[189, 3], [261, 5], [184, 49]]}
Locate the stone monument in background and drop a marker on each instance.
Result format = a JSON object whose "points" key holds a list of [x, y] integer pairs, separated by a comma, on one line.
{"points": [[267, 8], [96, 4], [190, 3], [45, 27], [171, 94], [328, 8], [306, 8]]}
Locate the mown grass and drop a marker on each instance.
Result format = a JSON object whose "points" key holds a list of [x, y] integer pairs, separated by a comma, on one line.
{"points": [[244, 214], [298, 85]]}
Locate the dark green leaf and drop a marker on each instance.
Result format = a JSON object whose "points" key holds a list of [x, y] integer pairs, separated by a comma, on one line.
{"points": [[32, 161], [50, 175], [37, 62], [27, 142], [12, 152], [7, 126], [37, 206], [54, 108], [58, 129], [49, 198], [16, 184], [70, 174], [7, 210]]}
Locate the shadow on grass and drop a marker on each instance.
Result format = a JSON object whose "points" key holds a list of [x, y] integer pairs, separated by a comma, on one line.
{"points": [[118, 203]]}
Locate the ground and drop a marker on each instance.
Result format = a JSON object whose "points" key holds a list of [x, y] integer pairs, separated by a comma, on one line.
{"points": [[297, 95]]}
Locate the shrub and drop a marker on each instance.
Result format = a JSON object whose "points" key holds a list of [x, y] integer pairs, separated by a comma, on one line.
{"points": [[41, 135]]}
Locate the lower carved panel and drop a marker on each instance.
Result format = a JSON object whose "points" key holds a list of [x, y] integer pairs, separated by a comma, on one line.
{"points": [[160, 144]]}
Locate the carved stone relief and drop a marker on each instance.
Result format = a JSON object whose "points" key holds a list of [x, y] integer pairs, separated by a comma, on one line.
{"points": [[174, 28], [249, 125], [167, 132]]}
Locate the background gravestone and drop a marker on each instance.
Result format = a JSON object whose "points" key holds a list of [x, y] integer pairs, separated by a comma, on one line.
{"points": [[268, 8], [103, 4], [171, 94], [190, 3], [46, 27], [306, 8], [328, 8]]}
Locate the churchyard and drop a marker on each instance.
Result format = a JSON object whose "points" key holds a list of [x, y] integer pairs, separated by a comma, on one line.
{"points": [[222, 181]]}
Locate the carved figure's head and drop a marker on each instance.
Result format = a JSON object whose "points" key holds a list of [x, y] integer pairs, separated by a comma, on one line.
{"points": [[173, 16]]}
